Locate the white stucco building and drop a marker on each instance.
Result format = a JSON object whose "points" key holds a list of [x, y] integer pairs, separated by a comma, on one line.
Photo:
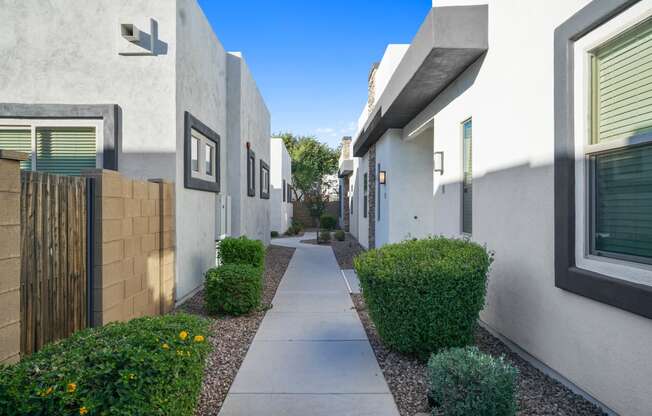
{"points": [[281, 196], [163, 99], [525, 126]]}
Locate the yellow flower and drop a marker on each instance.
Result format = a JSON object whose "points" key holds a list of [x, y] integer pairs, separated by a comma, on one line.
{"points": [[183, 335], [83, 410], [199, 338], [132, 376], [166, 346], [46, 391], [179, 352], [71, 387]]}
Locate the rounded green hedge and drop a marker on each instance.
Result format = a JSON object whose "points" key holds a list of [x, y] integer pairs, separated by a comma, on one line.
{"points": [[233, 289], [466, 382], [147, 366], [242, 251], [425, 295], [340, 235], [328, 222]]}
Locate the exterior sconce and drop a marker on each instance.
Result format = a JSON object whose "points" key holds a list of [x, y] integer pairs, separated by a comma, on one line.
{"points": [[382, 177], [439, 162]]}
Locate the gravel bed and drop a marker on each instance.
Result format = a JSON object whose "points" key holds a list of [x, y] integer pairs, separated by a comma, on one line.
{"points": [[538, 394], [345, 251], [233, 335]]}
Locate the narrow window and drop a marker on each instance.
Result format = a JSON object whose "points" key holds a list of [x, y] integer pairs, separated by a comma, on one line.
{"points": [[365, 195], [251, 173], [194, 157], [620, 149], [467, 179], [209, 157], [289, 193], [378, 191], [264, 180], [284, 190]]}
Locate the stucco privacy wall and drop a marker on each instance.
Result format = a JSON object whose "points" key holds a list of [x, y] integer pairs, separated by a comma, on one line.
{"points": [[200, 90], [281, 170], [10, 256], [133, 247], [248, 121], [601, 349]]}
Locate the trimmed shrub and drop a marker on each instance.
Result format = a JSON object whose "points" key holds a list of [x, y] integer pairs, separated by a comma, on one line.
{"points": [[147, 366], [340, 235], [466, 382], [328, 222], [233, 289], [274, 234], [425, 295], [324, 236], [242, 251]]}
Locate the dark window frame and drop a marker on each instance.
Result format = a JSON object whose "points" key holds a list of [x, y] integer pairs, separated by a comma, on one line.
{"points": [[284, 190], [191, 123], [289, 196], [251, 173], [633, 297], [365, 195], [264, 167]]}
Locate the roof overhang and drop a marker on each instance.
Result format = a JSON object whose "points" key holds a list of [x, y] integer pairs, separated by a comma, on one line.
{"points": [[346, 168], [448, 42]]}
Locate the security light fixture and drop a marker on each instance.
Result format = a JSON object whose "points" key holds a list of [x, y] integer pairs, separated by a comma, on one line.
{"points": [[439, 162], [382, 177]]}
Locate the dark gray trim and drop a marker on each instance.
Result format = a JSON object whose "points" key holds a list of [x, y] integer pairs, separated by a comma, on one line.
{"points": [[190, 123], [264, 166], [110, 114], [284, 191], [629, 296], [90, 247], [449, 40], [251, 175]]}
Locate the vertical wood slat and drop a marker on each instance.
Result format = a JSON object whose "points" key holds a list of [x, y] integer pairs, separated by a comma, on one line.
{"points": [[53, 264]]}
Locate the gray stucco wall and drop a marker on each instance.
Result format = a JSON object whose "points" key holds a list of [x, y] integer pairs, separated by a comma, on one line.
{"points": [[57, 52], [201, 90], [248, 120]]}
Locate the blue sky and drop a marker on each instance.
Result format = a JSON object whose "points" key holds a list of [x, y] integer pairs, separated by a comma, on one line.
{"points": [[311, 59]]}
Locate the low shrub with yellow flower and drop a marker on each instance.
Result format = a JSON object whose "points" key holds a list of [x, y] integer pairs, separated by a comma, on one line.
{"points": [[87, 374]]}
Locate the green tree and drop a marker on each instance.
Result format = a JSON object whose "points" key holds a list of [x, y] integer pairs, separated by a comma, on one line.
{"points": [[312, 164]]}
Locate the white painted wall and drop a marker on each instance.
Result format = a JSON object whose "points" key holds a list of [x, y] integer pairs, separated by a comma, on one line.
{"points": [[509, 94], [248, 120], [202, 92], [281, 166]]}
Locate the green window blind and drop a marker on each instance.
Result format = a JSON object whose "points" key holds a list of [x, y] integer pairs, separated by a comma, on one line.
{"points": [[65, 150], [622, 85], [623, 202], [18, 140], [467, 180]]}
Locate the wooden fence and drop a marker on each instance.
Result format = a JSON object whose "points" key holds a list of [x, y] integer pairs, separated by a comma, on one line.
{"points": [[54, 241]]}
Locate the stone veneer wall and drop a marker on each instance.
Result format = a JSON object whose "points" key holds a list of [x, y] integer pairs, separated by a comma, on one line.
{"points": [[134, 247], [372, 197], [10, 256], [346, 208]]}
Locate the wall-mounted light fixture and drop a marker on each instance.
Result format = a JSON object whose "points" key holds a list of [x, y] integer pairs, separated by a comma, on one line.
{"points": [[382, 177], [439, 162]]}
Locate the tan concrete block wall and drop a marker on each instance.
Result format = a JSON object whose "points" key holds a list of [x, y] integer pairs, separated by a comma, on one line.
{"points": [[10, 257], [134, 247]]}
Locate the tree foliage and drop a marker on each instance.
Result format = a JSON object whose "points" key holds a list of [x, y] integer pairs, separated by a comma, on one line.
{"points": [[312, 164]]}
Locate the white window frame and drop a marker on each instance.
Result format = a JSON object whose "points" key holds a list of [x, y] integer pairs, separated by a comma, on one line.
{"points": [[201, 156], [36, 123], [628, 270]]}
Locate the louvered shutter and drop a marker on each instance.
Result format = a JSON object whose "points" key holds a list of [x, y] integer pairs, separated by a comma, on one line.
{"points": [[623, 201], [65, 150], [467, 182], [18, 140], [622, 85]]}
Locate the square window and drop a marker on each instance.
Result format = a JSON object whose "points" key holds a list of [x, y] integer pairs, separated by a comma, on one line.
{"points": [[202, 155]]}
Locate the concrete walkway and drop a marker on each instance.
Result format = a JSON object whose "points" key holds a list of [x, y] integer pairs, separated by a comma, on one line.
{"points": [[311, 355]]}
